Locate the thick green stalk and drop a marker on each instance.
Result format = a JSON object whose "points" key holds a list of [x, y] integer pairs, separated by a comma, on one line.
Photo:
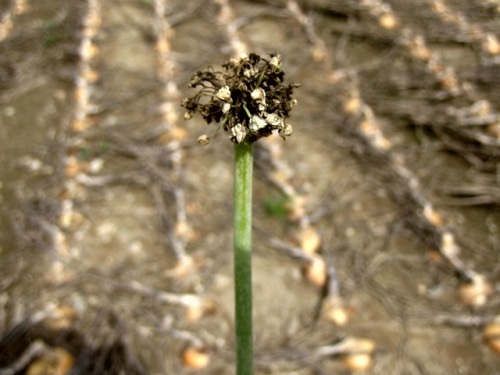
{"points": [[243, 166]]}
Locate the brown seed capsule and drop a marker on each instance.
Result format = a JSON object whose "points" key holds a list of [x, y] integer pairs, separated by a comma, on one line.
{"points": [[352, 105], [184, 266], [494, 130], [315, 271], [296, 208], [491, 336], [492, 45], [388, 21], [432, 216], [309, 239], [476, 291], [195, 357], [357, 362], [333, 310]]}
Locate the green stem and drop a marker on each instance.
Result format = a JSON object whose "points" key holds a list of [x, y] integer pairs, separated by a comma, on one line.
{"points": [[243, 256]]}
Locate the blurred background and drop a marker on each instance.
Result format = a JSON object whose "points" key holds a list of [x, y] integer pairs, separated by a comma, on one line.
{"points": [[376, 224]]}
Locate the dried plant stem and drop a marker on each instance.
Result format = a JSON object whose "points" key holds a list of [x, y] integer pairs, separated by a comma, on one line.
{"points": [[243, 167]]}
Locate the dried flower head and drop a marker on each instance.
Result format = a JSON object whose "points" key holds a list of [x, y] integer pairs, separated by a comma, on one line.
{"points": [[248, 97]]}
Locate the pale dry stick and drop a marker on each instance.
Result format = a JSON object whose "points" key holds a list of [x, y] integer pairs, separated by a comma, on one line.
{"points": [[180, 233], [84, 78], [186, 300], [195, 305], [488, 42]]}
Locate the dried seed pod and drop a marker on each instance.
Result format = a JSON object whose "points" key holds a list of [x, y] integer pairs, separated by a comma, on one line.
{"points": [[475, 292], [195, 357], [357, 362], [241, 94], [432, 216], [419, 49], [492, 45], [316, 271], [276, 62], [357, 353], [224, 94], [491, 336], [195, 312], [226, 107], [274, 120], [239, 133], [184, 266], [352, 105], [256, 123], [309, 239], [333, 310], [259, 95], [354, 345], [494, 130], [449, 246], [183, 230], [388, 21], [296, 207]]}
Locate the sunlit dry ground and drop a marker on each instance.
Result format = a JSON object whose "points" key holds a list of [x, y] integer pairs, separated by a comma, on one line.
{"points": [[376, 240]]}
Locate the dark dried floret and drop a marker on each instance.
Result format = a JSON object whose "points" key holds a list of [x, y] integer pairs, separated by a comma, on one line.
{"points": [[248, 97]]}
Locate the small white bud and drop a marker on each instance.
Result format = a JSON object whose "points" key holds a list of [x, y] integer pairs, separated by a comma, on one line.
{"points": [[239, 132], [258, 95], [275, 62], [203, 140], [256, 123], [249, 73], [226, 107], [274, 120], [224, 94], [188, 115], [286, 131]]}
